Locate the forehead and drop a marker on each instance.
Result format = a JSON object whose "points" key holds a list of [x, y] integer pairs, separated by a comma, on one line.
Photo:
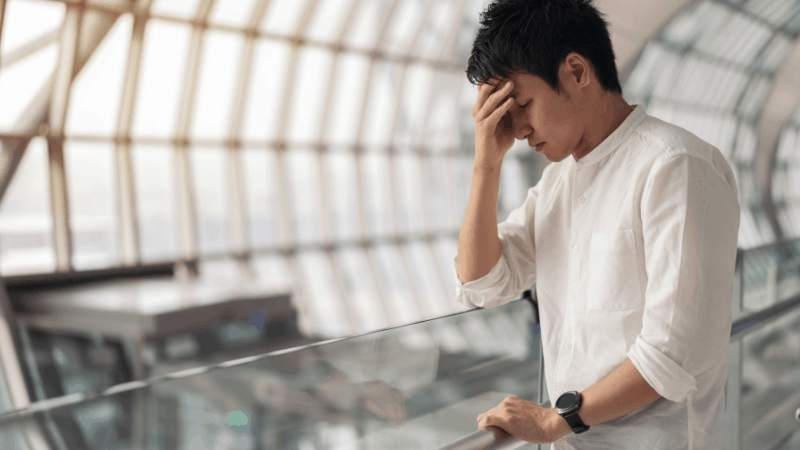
{"points": [[522, 82]]}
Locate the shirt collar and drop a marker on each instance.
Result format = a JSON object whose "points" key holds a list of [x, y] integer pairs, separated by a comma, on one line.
{"points": [[616, 138]]}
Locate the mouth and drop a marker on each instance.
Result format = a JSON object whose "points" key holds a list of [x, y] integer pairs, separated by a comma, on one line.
{"points": [[539, 146]]}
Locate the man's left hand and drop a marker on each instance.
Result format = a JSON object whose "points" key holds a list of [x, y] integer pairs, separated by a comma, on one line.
{"points": [[525, 420]]}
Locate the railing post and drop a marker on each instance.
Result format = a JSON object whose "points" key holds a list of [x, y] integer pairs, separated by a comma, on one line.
{"points": [[733, 387]]}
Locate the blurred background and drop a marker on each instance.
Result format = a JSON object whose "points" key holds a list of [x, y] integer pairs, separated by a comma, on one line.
{"points": [[187, 182]]}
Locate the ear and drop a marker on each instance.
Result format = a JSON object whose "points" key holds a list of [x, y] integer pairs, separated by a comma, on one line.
{"points": [[577, 71]]}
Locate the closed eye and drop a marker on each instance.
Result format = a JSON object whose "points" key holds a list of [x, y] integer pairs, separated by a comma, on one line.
{"points": [[526, 104]]}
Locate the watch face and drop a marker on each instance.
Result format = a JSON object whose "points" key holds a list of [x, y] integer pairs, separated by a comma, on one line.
{"points": [[566, 400]]}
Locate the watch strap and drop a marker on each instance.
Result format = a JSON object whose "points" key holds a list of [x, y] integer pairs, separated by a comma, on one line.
{"points": [[575, 422]]}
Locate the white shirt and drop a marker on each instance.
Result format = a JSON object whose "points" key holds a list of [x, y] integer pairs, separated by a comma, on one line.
{"points": [[632, 250]]}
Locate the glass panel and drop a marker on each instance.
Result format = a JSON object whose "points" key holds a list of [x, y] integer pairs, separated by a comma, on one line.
{"points": [[408, 185], [211, 196], [376, 194], [261, 195], [422, 395], [154, 178], [774, 55], [466, 123], [793, 24], [439, 193], [94, 103], [658, 78], [361, 291], [745, 142], [436, 30], [363, 33], [322, 294], [770, 370], [184, 8], [309, 92], [92, 189], [26, 20], [402, 304], [302, 167], [283, 16], [272, 271], [468, 28], [403, 26], [26, 221], [161, 79], [342, 194], [266, 91], [347, 98], [216, 86], [739, 39], [328, 20], [235, 13], [755, 96], [445, 252], [414, 105], [424, 272], [775, 12], [20, 83], [381, 103], [443, 119]]}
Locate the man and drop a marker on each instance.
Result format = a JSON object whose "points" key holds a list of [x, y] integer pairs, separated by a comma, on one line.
{"points": [[630, 237]]}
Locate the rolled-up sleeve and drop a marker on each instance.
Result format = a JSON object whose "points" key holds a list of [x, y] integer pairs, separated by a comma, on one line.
{"points": [[515, 271], [690, 223]]}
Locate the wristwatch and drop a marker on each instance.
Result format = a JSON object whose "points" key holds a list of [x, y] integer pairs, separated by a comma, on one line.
{"points": [[567, 406]]}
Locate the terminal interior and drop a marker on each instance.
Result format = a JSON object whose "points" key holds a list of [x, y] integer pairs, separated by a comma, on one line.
{"points": [[230, 224]]}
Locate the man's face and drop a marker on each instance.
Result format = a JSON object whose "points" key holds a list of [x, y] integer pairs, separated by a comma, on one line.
{"points": [[540, 115]]}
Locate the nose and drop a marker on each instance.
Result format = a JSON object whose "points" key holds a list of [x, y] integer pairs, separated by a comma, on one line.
{"points": [[521, 128]]}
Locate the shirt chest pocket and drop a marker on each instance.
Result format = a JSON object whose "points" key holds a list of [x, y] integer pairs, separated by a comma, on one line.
{"points": [[613, 272]]}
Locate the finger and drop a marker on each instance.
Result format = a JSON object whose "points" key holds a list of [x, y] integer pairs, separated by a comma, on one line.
{"points": [[488, 91], [497, 98], [484, 90], [375, 409], [494, 118]]}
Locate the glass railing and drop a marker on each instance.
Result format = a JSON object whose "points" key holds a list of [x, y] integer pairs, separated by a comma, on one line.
{"points": [[413, 387], [419, 386]]}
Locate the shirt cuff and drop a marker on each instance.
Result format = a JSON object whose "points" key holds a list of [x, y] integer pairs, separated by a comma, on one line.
{"points": [[481, 292], [666, 376]]}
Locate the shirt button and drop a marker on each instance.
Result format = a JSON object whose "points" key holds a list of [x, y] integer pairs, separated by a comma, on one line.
{"points": [[575, 248], [569, 346], [581, 199], [573, 296]]}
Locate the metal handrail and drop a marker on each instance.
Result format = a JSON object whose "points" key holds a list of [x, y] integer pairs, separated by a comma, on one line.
{"points": [[497, 439], [491, 439]]}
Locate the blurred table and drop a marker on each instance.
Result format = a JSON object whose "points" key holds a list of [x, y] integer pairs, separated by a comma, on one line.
{"points": [[144, 310]]}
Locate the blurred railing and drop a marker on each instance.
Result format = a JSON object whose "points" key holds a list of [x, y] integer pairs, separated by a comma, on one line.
{"points": [[417, 386]]}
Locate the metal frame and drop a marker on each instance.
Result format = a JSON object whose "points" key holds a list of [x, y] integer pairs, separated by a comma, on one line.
{"points": [[59, 100], [327, 233], [767, 136], [454, 65], [392, 150], [2, 21], [29, 48], [238, 217], [187, 217], [33, 122], [126, 190]]}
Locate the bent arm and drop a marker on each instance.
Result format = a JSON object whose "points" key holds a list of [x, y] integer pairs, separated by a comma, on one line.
{"points": [[479, 246]]}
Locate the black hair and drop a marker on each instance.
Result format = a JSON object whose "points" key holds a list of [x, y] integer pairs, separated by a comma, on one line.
{"points": [[535, 36]]}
